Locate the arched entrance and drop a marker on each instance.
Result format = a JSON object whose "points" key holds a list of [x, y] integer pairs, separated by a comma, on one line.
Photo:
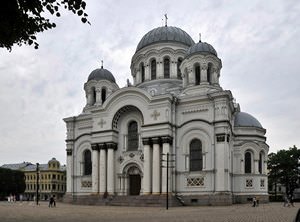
{"points": [[134, 180]]}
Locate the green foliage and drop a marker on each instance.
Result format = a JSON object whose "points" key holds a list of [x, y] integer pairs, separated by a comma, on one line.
{"points": [[11, 182], [284, 168], [21, 20]]}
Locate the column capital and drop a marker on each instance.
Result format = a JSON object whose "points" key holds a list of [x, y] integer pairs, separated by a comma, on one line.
{"points": [[167, 139], [111, 145], [146, 141], [69, 152], [95, 146], [155, 140], [102, 146]]}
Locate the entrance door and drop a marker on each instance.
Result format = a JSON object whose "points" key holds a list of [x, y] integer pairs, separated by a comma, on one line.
{"points": [[134, 184]]}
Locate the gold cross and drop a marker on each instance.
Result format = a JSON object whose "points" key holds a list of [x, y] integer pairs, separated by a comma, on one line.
{"points": [[155, 114]]}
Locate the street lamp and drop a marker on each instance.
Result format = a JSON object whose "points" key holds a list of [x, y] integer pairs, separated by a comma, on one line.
{"points": [[37, 183]]}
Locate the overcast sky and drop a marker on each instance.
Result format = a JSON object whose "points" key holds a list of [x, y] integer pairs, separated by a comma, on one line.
{"points": [[257, 41]]}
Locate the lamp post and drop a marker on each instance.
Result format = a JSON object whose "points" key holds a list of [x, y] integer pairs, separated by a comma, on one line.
{"points": [[37, 183]]}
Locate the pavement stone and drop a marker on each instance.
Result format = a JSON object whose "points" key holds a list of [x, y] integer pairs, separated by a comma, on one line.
{"points": [[28, 211]]}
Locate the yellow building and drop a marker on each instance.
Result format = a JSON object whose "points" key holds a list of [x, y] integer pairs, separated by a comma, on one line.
{"points": [[52, 179]]}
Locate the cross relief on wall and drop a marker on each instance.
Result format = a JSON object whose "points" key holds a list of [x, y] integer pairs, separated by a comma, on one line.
{"points": [[155, 114], [101, 123]]}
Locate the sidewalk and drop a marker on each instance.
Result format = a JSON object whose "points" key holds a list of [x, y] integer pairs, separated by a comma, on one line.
{"points": [[28, 211]]}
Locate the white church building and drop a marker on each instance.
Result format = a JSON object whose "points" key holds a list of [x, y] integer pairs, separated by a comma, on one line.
{"points": [[117, 147]]}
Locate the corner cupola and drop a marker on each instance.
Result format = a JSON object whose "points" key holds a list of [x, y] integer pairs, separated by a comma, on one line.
{"points": [[101, 83]]}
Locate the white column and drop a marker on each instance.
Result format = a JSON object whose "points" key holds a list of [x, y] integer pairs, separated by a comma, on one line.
{"points": [[102, 170], [95, 167], [191, 77], [138, 76], [256, 162], [147, 72], [98, 96], [147, 167], [203, 75], [69, 167], [173, 69], [160, 69], [156, 167], [110, 171], [166, 149]]}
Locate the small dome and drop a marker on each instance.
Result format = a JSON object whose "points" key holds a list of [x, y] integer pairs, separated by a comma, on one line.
{"points": [[165, 34], [53, 160], [101, 74], [246, 120], [201, 47]]}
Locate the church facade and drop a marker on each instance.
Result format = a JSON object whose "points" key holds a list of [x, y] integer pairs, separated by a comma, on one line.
{"points": [[175, 110]]}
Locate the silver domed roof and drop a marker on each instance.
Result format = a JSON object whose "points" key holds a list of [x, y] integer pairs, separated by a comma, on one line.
{"points": [[165, 34], [246, 120], [201, 47], [101, 74]]}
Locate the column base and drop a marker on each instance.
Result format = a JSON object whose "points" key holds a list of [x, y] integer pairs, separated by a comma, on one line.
{"points": [[146, 193], [155, 193]]}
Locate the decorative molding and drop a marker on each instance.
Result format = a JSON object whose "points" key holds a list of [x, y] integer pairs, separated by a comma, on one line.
{"points": [[195, 110], [167, 139], [195, 181], [86, 183], [156, 140]]}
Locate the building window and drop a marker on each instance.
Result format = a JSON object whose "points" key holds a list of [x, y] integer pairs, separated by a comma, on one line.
{"points": [[133, 137], [179, 61], [142, 72], [103, 94], [195, 155], [262, 183], [209, 68], [93, 95], [87, 163], [260, 163], [166, 68], [153, 69], [197, 75], [248, 162], [249, 183]]}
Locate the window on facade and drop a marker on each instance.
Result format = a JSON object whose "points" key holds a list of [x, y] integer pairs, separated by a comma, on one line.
{"points": [[166, 68], [248, 162], [209, 68], [53, 186], [87, 164], [260, 163], [153, 69], [197, 75], [142, 72], [133, 137], [179, 61], [93, 96], [195, 155], [103, 94], [54, 176]]}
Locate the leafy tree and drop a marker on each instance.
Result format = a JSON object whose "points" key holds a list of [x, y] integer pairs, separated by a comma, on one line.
{"points": [[12, 182], [284, 168], [21, 20]]}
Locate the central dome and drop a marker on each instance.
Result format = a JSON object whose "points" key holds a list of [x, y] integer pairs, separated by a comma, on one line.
{"points": [[165, 34]]}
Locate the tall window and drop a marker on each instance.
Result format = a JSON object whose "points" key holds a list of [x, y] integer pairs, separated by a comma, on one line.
{"points": [[248, 162], [133, 137], [93, 96], [195, 155], [260, 163], [142, 72], [197, 75], [87, 163], [209, 68], [153, 69], [179, 61], [103, 94], [166, 68]]}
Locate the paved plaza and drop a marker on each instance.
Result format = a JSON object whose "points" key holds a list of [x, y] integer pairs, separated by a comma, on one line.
{"points": [[273, 212]]}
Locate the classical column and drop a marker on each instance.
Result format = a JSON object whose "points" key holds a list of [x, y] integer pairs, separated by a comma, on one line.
{"points": [[203, 74], [89, 98], [256, 162], [138, 76], [191, 77], [110, 168], [95, 167], [156, 166], [160, 69], [98, 96], [147, 72], [173, 69], [69, 167], [102, 188], [147, 167], [166, 142]]}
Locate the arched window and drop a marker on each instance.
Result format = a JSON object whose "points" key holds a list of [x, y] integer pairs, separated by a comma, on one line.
{"points": [[103, 94], [260, 162], [195, 155], [179, 61], [248, 162], [133, 137], [87, 163], [166, 68], [142, 72], [153, 69], [197, 75], [93, 100], [209, 68]]}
